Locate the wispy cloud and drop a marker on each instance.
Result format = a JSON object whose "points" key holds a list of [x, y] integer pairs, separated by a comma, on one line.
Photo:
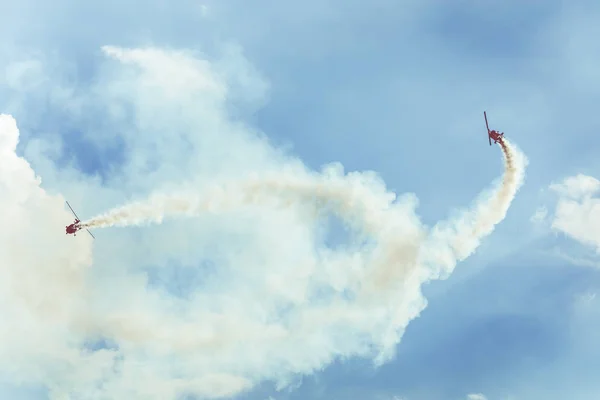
{"points": [[539, 215], [476, 396]]}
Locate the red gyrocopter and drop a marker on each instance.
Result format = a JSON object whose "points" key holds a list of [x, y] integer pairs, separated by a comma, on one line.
{"points": [[492, 135], [74, 227]]}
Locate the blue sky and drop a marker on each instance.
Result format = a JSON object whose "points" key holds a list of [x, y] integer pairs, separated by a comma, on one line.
{"points": [[394, 87]]}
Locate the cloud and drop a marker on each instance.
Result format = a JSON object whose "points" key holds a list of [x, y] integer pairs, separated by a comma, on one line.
{"points": [[476, 396], [43, 276], [540, 215], [576, 187], [585, 299], [266, 300], [577, 212]]}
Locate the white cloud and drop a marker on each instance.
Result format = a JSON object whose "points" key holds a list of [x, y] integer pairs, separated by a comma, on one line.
{"points": [[539, 215], [577, 212], [476, 396], [577, 187], [273, 301]]}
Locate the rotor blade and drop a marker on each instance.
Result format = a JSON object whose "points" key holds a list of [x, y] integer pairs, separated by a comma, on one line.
{"points": [[488, 128], [91, 234], [486, 123], [72, 210]]}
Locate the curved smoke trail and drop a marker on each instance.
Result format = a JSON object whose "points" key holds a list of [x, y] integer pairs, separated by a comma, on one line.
{"points": [[353, 196], [360, 199], [455, 240]]}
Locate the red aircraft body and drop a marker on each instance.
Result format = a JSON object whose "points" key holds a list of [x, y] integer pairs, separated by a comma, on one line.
{"points": [[74, 227], [492, 134]]}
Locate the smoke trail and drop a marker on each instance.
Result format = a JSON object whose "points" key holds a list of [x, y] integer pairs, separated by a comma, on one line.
{"points": [[359, 198], [401, 266], [348, 192], [491, 213], [455, 240], [354, 194], [498, 207]]}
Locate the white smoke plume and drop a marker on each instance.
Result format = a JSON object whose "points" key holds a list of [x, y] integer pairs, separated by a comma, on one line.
{"points": [[349, 195], [364, 203], [374, 284], [358, 198], [83, 319], [345, 193], [454, 240]]}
